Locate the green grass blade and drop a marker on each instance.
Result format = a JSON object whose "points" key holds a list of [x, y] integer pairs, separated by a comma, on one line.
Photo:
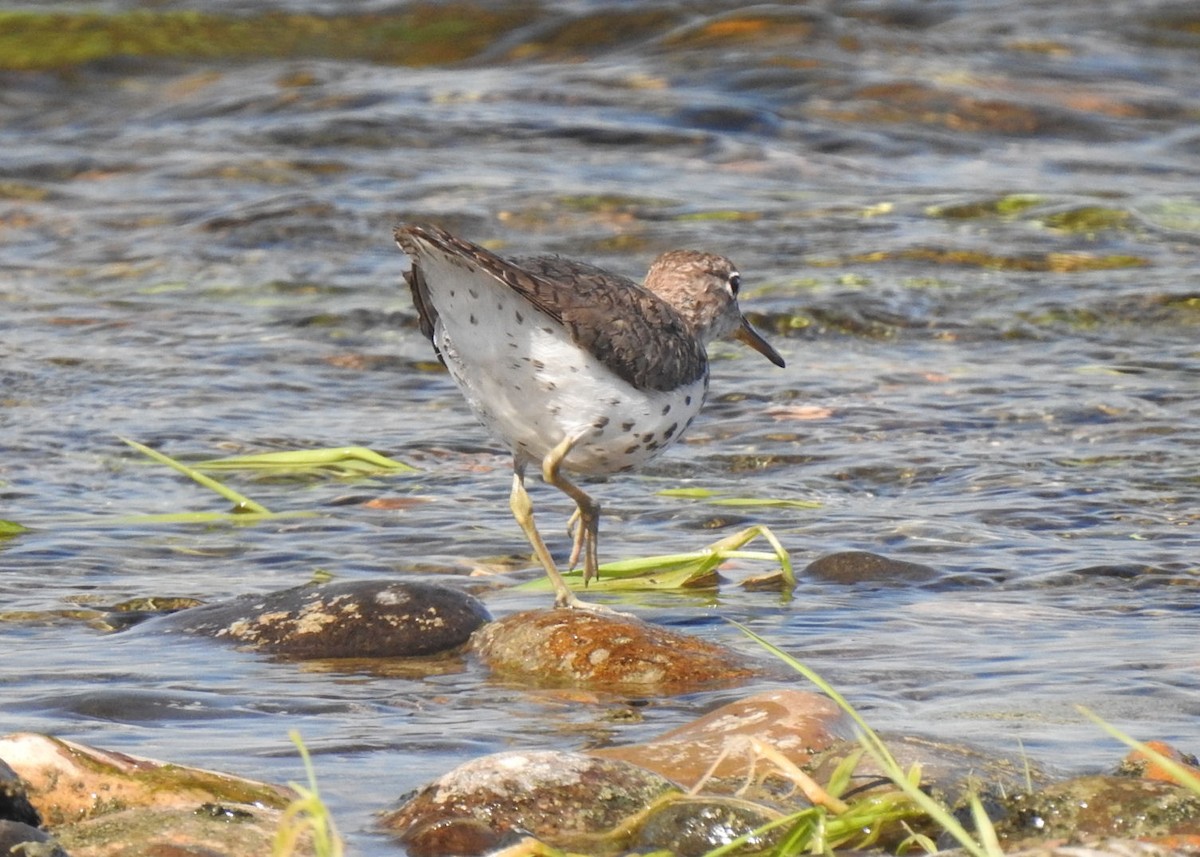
{"points": [[11, 528], [681, 570], [717, 499], [1186, 777], [347, 459], [875, 746], [240, 502]]}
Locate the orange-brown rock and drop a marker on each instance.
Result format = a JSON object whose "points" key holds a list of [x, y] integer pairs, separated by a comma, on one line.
{"points": [[609, 651], [795, 723]]}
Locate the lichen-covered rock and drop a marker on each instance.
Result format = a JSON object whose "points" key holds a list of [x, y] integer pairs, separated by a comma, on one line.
{"points": [[353, 619], [566, 799], [1102, 807], [606, 651]]}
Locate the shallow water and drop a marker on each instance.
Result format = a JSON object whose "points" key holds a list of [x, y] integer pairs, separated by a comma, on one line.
{"points": [[972, 229]]}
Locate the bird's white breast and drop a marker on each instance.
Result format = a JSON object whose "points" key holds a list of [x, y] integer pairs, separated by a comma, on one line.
{"points": [[532, 386]]}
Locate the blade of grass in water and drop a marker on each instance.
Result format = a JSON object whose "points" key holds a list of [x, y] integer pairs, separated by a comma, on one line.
{"points": [[909, 782], [351, 460], [11, 528], [240, 502], [717, 499], [1183, 775]]}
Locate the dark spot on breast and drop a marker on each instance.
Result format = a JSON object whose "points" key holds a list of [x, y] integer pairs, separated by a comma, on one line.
{"points": [[627, 425], [549, 386], [666, 410], [473, 293], [520, 318], [473, 319], [647, 437], [600, 422], [653, 446], [453, 293], [538, 364], [549, 330], [688, 400], [670, 432], [630, 450]]}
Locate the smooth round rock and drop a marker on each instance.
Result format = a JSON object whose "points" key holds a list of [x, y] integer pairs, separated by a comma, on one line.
{"points": [[354, 619], [713, 748], [867, 567], [606, 651], [559, 797], [697, 826]]}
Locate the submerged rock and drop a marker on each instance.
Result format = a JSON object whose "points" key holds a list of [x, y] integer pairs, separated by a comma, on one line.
{"points": [[609, 651], [566, 799], [354, 619], [867, 567]]}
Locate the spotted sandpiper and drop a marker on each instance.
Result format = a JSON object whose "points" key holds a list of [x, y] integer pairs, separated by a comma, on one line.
{"points": [[576, 369]]}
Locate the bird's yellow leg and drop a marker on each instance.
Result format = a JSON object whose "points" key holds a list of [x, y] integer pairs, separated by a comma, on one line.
{"points": [[522, 509], [587, 511]]}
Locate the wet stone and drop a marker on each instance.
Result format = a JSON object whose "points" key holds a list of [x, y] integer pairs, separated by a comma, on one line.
{"points": [[605, 651], [714, 748], [14, 801], [15, 837], [108, 804], [566, 799], [867, 567], [1101, 806], [692, 827], [356, 619]]}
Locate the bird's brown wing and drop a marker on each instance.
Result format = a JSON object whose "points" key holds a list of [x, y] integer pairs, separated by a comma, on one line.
{"points": [[631, 330]]}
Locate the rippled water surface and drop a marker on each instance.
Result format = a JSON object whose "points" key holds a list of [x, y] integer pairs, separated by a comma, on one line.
{"points": [[971, 228]]}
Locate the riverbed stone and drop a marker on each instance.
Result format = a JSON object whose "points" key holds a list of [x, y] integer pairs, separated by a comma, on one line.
{"points": [[569, 800], [865, 567], [691, 827], [606, 651], [19, 838], [715, 748], [349, 619], [1102, 806], [99, 803], [14, 800]]}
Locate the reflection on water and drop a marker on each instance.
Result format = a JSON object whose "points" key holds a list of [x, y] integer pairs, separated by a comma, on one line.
{"points": [[969, 229]]}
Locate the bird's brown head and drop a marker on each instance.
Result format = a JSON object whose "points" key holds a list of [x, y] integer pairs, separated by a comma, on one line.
{"points": [[703, 289]]}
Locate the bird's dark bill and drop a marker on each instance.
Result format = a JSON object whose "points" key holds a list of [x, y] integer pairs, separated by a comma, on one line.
{"points": [[751, 337]]}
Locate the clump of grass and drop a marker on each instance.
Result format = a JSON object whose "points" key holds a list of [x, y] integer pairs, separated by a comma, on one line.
{"points": [[307, 817], [984, 844], [692, 569]]}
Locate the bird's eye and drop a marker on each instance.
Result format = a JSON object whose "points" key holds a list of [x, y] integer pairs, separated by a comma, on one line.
{"points": [[735, 283]]}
